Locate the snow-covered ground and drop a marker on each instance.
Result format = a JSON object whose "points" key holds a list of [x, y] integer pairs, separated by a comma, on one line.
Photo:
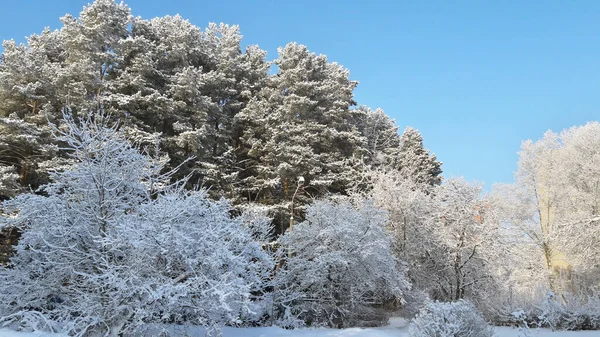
{"points": [[510, 332], [397, 328]]}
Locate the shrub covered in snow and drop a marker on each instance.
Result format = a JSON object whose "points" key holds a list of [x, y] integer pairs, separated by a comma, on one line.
{"points": [[111, 246], [340, 267], [569, 311], [565, 311], [450, 319]]}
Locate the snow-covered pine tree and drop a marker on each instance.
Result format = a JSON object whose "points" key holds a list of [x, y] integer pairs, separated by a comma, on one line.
{"points": [[167, 79], [188, 85], [416, 162], [52, 69], [28, 85], [382, 141], [29, 74], [163, 78], [27, 151], [92, 45], [8, 182], [235, 79], [300, 124]]}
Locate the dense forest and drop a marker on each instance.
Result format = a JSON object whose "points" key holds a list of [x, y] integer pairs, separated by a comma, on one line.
{"points": [[153, 172]]}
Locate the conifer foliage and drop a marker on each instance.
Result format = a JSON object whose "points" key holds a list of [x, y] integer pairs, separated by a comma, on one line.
{"points": [[251, 133]]}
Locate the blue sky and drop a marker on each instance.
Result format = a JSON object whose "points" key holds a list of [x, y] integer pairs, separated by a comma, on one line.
{"points": [[475, 77]]}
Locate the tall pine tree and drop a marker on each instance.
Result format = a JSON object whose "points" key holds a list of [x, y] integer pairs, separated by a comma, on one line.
{"points": [[300, 124], [416, 161]]}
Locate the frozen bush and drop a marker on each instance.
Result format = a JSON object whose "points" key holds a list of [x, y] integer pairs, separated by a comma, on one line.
{"points": [[566, 311], [571, 312], [340, 270], [111, 246], [520, 318], [450, 319]]}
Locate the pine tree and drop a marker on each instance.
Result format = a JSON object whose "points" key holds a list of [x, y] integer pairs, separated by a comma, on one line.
{"points": [[300, 124], [382, 141], [92, 42], [416, 162], [53, 69], [252, 134], [164, 78], [187, 85], [28, 95]]}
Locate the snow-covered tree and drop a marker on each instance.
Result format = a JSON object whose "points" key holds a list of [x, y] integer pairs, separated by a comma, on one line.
{"points": [[28, 90], [578, 219], [54, 69], [465, 245], [341, 265], [196, 90], [527, 260], [554, 204], [416, 162], [8, 182], [92, 44], [409, 207], [165, 78], [112, 245], [29, 74], [188, 85], [26, 153], [382, 141], [300, 124], [448, 235]]}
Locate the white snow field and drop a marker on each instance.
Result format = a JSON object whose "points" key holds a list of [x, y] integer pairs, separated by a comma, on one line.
{"points": [[398, 327]]}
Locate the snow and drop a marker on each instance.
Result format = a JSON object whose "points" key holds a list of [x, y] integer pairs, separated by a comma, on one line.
{"points": [[11, 333], [398, 327], [510, 332]]}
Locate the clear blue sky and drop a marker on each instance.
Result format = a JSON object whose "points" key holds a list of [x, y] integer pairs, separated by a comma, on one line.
{"points": [[475, 77]]}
